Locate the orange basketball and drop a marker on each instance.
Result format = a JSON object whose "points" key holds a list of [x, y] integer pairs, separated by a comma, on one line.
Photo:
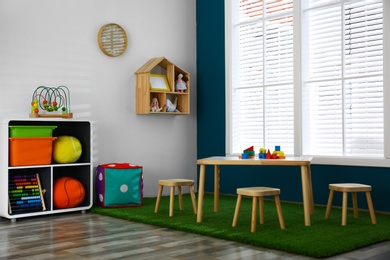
{"points": [[68, 193]]}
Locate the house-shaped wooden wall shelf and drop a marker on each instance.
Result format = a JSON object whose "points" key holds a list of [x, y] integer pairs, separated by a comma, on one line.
{"points": [[161, 68]]}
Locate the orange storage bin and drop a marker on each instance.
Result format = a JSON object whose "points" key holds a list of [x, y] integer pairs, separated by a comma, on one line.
{"points": [[30, 151]]}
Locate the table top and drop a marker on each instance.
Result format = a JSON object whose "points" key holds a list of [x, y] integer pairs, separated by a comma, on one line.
{"points": [[234, 160]]}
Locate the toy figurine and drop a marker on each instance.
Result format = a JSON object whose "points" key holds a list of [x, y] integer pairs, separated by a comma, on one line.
{"points": [[154, 105], [180, 84], [171, 107]]}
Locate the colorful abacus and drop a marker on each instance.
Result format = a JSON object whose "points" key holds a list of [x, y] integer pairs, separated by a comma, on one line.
{"points": [[25, 194]]}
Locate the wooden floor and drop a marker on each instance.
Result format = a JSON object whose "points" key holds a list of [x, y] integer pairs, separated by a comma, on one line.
{"points": [[89, 236]]}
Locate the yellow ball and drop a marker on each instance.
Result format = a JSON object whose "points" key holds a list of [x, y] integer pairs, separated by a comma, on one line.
{"points": [[66, 149]]}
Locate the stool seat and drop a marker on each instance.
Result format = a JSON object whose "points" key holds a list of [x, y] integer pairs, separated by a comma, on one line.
{"points": [[175, 183], [258, 193], [353, 188], [350, 187]]}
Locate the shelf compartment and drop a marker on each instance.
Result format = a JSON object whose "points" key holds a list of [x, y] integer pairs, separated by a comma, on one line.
{"points": [[27, 187], [76, 172]]}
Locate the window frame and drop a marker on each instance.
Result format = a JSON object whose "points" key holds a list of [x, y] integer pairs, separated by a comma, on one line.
{"points": [[298, 83]]}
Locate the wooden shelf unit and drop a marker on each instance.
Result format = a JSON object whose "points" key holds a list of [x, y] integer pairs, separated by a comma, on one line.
{"points": [[144, 94], [82, 170]]}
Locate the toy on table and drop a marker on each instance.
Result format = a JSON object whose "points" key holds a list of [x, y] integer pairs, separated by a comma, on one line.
{"points": [[51, 100], [154, 105], [278, 154], [248, 153], [262, 153], [180, 85], [266, 154]]}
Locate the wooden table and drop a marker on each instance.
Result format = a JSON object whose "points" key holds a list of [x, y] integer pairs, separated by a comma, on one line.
{"points": [[217, 161]]}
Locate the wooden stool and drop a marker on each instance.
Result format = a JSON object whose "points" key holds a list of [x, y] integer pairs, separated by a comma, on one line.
{"points": [[175, 183], [258, 192], [350, 187]]}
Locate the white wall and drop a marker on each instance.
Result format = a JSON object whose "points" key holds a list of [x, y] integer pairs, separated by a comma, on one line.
{"points": [[54, 42]]}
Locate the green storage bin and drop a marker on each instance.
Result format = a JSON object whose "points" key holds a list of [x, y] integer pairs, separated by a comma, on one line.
{"points": [[31, 131]]}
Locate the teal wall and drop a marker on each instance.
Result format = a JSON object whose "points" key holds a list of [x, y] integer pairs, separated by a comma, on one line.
{"points": [[211, 130]]}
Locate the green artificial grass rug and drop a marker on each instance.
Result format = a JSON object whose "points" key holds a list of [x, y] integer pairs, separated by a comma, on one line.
{"points": [[321, 239]]}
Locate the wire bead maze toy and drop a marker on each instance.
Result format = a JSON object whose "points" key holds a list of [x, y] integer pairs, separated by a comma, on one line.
{"points": [[52, 101]]}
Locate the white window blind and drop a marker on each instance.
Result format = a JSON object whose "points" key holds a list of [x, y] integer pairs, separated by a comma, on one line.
{"points": [[343, 89], [341, 95], [262, 95]]}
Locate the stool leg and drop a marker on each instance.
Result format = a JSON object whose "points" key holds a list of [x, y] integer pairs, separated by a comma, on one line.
{"points": [[171, 201], [328, 207], [237, 211], [355, 205], [180, 198], [261, 209], [160, 190], [370, 207], [344, 209], [279, 210], [253, 220], [193, 197]]}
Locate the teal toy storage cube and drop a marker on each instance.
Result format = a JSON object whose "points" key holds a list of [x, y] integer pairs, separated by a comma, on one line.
{"points": [[119, 185]]}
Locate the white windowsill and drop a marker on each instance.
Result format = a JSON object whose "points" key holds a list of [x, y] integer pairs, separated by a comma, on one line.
{"points": [[352, 161], [345, 161]]}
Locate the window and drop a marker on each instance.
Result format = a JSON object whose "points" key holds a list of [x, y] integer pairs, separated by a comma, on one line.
{"points": [[306, 75], [262, 94]]}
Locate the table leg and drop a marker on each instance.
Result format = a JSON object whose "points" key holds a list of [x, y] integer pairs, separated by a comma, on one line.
{"points": [[310, 191], [216, 188], [305, 194], [202, 173]]}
